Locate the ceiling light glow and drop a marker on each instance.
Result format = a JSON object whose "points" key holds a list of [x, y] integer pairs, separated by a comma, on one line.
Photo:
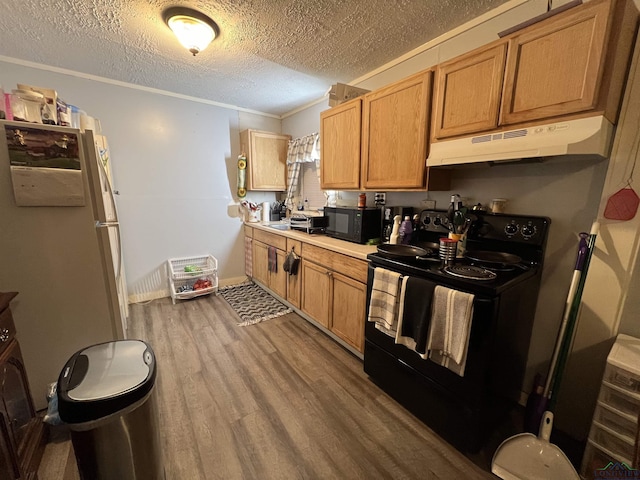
{"points": [[194, 30]]}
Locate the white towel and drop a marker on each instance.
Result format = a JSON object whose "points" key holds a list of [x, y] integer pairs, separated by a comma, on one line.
{"points": [[383, 306], [450, 328]]}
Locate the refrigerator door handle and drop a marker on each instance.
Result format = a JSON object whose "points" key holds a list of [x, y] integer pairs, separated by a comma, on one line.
{"points": [[107, 224], [115, 225]]}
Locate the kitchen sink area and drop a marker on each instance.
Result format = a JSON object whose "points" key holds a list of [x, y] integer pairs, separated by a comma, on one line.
{"points": [[279, 226]]}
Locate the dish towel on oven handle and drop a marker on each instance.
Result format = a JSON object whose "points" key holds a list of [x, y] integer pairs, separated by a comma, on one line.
{"points": [[414, 315], [383, 305], [450, 328]]}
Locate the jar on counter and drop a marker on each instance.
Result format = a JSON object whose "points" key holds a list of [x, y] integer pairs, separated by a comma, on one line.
{"points": [[362, 200]]}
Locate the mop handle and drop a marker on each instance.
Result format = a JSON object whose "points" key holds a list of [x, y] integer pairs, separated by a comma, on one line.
{"points": [[567, 342], [573, 288]]}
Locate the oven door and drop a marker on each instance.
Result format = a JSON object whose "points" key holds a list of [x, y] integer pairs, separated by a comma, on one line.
{"points": [[471, 388], [462, 410]]}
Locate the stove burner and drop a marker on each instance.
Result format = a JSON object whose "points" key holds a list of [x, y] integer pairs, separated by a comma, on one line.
{"points": [[469, 272]]}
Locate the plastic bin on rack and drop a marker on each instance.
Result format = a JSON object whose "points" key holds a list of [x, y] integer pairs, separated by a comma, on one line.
{"points": [[185, 272]]}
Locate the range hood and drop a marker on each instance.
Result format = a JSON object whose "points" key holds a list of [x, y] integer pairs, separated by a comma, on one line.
{"points": [[584, 136]]}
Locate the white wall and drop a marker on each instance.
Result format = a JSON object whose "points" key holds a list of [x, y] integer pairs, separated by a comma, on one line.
{"points": [[174, 164]]}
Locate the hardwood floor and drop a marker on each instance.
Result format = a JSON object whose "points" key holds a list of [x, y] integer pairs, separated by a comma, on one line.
{"points": [[276, 400]]}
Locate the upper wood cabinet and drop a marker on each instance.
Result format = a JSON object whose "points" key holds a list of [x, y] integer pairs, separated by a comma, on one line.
{"points": [[340, 137], [266, 159], [394, 140], [558, 66], [379, 141], [468, 92], [569, 64]]}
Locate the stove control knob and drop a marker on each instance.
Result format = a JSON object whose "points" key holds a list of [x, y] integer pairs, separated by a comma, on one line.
{"points": [[437, 221], [511, 229], [426, 220], [528, 231]]}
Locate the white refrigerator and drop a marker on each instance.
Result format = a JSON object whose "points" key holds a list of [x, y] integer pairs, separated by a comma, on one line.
{"points": [[60, 246]]}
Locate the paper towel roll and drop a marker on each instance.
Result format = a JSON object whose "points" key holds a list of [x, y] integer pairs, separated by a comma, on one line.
{"points": [[266, 212]]}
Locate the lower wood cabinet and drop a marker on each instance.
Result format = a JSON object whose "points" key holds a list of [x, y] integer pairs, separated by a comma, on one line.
{"points": [[348, 310], [334, 293], [276, 281], [294, 283], [316, 292], [329, 288]]}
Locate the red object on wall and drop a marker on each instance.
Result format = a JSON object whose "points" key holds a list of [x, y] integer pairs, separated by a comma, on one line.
{"points": [[622, 205]]}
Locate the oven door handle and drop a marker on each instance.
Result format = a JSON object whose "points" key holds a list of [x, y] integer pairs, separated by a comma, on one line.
{"points": [[482, 300]]}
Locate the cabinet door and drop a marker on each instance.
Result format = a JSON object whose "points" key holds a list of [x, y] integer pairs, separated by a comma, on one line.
{"points": [[266, 159], [468, 91], [278, 279], [260, 262], [8, 460], [340, 142], [316, 292], [348, 310], [395, 127], [553, 68], [16, 398], [294, 289], [294, 283]]}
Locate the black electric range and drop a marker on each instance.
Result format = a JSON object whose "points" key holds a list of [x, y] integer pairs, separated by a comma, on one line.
{"points": [[464, 409]]}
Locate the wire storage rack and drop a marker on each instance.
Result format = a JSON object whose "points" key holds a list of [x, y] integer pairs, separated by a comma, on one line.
{"points": [[191, 277]]}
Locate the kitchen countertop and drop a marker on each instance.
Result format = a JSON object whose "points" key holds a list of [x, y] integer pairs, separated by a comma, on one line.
{"points": [[319, 240]]}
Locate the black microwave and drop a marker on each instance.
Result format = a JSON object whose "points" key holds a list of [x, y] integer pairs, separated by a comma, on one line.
{"points": [[353, 224]]}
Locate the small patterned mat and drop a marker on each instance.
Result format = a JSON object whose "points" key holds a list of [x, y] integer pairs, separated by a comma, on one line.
{"points": [[252, 303]]}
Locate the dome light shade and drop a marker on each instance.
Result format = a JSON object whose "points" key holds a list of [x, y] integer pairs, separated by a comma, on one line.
{"points": [[194, 30]]}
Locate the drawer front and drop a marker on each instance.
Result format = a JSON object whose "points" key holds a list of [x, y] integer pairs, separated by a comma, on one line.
{"points": [[616, 420], [248, 231], [619, 399], [612, 441], [7, 328], [278, 241], [295, 244], [622, 378], [349, 266]]}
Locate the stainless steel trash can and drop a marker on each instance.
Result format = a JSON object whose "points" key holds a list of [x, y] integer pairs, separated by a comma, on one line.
{"points": [[106, 394]]}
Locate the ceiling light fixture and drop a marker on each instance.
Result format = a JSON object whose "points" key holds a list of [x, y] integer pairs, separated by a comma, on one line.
{"points": [[195, 31]]}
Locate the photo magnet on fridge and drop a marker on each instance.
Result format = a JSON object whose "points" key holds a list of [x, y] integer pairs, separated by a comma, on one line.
{"points": [[45, 167]]}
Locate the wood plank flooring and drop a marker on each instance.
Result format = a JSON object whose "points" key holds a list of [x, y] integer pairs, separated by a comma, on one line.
{"points": [[276, 400]]}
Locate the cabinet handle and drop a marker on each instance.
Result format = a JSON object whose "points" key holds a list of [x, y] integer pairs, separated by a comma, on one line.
{"points": [[4, 335], [330, 274]]}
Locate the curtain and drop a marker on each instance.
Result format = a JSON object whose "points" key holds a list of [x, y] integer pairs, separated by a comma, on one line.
{"points": [[301, 150]]}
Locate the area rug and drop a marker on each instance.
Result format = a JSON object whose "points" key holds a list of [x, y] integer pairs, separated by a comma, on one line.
{"points": [[252, 303]]}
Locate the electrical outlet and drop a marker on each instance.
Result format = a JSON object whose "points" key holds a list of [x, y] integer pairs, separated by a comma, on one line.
{"points": [[380, 198]]}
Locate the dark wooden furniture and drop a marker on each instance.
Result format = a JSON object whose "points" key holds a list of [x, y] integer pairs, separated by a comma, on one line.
{"points": [[22, 432]]}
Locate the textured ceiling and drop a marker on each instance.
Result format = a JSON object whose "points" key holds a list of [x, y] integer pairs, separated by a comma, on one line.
{"points": [[271, 56]]}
